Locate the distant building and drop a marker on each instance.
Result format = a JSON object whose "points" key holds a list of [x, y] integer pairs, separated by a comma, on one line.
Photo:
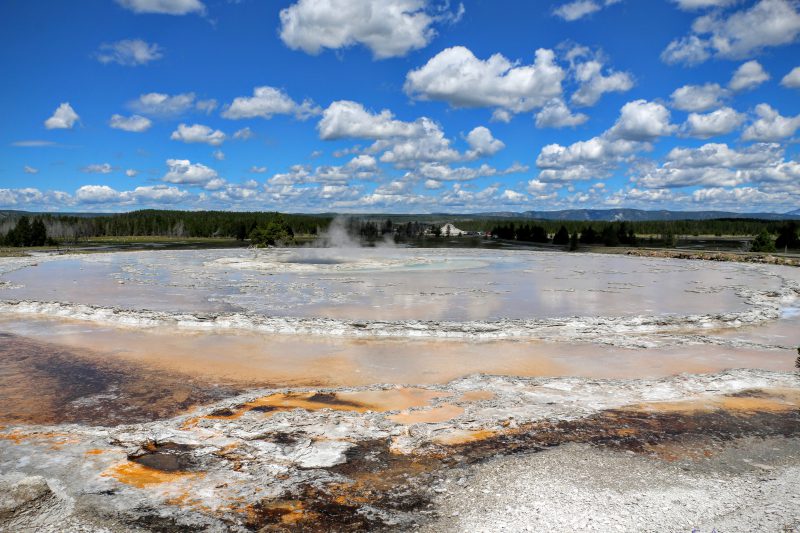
{"points": [[449, 230]]}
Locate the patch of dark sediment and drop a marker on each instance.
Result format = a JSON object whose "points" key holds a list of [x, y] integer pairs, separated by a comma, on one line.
{"points": [[355, 459], [390, 491], [43, 383]]}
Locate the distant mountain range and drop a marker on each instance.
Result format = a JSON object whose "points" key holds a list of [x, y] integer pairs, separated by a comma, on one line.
{"points": [[636, 215], [589, 215]]}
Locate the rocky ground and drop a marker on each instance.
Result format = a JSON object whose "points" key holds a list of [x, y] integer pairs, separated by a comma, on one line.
{"points": [[457, 457], [740, 257], [750, 485]]}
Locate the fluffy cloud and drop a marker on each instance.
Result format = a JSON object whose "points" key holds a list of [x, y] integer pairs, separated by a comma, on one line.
{"points": [[131, 172], [690, 50], [439, 172], [459, 78], [792, 79], [588, 72], [510, 196], [537, 187], [243, 134], [257, 170], [30, 170], [430, 145], [717, 165], [641, 120], [359, 168], [198, 133], [639, 123], [583, 160], [129, 52], [388, 29], [30, 196], [105, 195], [134, 123], [770, 125], [403, 144], [266, 102], [183, 171], [748, 76], [740, 34], [164, 7], [102, 168], [92, 194], [162, 194], [578, 9], [556, 114], [482, 143], [719, 122], [698, 97], [345, 119], [721, 155], [63, 118], [160, 104], [736, 198]]}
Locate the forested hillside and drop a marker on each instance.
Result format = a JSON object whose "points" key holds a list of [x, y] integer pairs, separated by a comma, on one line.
{"points": [[73, 228]]}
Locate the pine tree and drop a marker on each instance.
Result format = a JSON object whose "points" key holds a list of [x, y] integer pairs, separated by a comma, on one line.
{"points": [[573, 242], [562, 236]]}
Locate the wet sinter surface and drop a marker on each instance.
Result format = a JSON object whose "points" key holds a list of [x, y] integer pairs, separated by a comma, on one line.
{"points": [[364, 390]]}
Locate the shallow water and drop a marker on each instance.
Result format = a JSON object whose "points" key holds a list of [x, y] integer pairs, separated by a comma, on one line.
{"points": [[645, 318], [393, 284]]}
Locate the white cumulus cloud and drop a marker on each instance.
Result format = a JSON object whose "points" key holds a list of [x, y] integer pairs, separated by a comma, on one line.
{"points": [[266, 102], [63, 118], [792, 79], [770, 125], [737, 35], [183, 171], [641, 120], [482, 143], [556, 114], [198, 133], [748, 76], [699, 97], [459, 78], [93, 194], [387, 28], [345, 119], [719, 122], [134, 123], [160, 104], [593, 83]]}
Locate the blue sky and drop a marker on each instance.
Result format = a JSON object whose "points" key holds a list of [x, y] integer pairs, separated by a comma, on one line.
{"points": [[400, 105]]}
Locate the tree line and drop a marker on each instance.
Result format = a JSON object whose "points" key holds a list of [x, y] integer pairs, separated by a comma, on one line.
{"points": [[613, 234], [27, 233], [69, 229]]}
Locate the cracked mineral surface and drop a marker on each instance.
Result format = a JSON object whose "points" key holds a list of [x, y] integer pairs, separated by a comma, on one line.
{"points": [[397, 389]]}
